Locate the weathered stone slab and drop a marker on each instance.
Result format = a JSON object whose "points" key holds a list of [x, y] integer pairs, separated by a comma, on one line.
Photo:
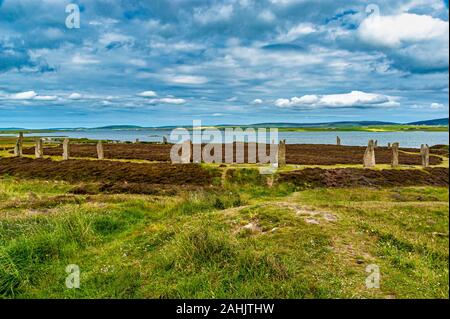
{"points": [[186, 152], [425, 155], [369, 155], [100, 152], [66, 149], [251, 151], [19, 146], [39, 148], [338, 141], [240, 152], [395, 147], [282, 153]]}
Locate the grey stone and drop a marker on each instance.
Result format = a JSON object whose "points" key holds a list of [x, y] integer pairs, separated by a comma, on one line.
{"points": [[369, 155], [19, 146], [39, 148], [240, 153], [251, 152], [100, 153], [186, 151], [282, 153], [338, 141], [395, 147], [66, 149], [425, 155]]}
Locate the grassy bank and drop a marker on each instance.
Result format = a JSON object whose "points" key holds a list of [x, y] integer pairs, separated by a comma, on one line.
{"points": [[243, 241]]}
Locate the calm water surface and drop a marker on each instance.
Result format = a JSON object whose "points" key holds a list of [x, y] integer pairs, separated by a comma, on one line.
{"points": [[406, 139]]}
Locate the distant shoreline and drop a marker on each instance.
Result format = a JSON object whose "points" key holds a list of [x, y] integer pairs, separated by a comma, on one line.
{"points": [[370, 128]]}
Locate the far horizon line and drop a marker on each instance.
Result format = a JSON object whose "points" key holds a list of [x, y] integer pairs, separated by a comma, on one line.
{"points": [[284, 124]]}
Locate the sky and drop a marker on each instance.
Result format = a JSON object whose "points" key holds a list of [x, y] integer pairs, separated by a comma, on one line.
{"points": [[169, 62]]}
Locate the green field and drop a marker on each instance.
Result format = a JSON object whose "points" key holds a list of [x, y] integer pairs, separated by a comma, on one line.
{"points": [[242, 241]]}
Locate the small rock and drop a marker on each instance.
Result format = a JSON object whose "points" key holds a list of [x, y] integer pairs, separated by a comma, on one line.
{"points": [[312, 221], [252, 227], [330, 217]]}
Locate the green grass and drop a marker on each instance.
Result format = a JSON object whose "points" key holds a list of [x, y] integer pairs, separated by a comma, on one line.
{"points": [[195, 245]]}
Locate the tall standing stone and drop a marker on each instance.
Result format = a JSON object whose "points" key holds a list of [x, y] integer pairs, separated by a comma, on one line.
{"points": [[240, 153], [39, 148], [66, 149], [19, 145], [251, 152], [164, 140], [186, 152], [425, 155], [338, 141], [369, 155], [282, 153], [376, 143], [395, 147], [100, 153], [389, 145]]}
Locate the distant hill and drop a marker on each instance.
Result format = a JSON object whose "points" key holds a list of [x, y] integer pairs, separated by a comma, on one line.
{"points": [[443, 121], [327, 124], [119, 127], [11, 128]]}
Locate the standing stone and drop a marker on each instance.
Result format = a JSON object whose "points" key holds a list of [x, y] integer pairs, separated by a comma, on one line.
{"points": [[240, 153], [376, 143], [282, 153], [164, 140], [389, 145], [19, 145], [66, 149], [136, 141], [369, 155], [395, 147], [39, 148], [338, 141], [425, 155], [251, 152], [186, 152], [100, 153]]}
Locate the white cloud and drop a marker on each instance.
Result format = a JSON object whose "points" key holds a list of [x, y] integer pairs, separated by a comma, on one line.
{"points": [[297, 31], [393, 31], [75, 96], [257, 101], [170, 100], [213, 14], [32, 95], [232, 99], [437, 106], [267, 16], [147, 94], [167, 100], [81, 60], [138, 62], [46, 98], [109, 38], [188, 79], [29, 95], [352, 99]]}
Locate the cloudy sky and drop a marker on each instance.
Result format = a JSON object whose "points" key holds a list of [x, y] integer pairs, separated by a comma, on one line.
{"points": [[168, 62]]}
